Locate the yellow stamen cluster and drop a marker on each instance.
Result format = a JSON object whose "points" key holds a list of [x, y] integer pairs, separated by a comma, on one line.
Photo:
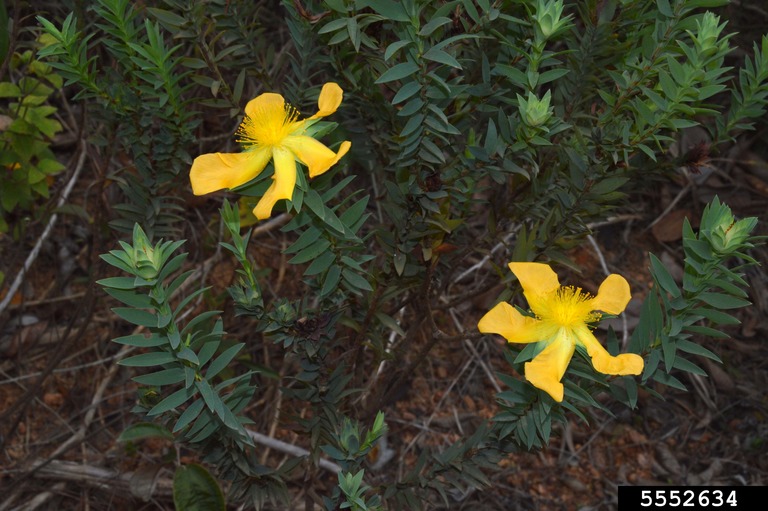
{"points": [[269, 127], [567, 306]]}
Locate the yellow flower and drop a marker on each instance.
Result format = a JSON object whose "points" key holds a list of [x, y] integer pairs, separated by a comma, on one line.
{"points": [[562, 317], [271, 130]]}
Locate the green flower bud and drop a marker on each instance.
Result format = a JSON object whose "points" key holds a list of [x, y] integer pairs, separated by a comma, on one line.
{"points": [[145, 257], [534, 111], [707, 35], [725, 234], [548, 19], [731, 235]]}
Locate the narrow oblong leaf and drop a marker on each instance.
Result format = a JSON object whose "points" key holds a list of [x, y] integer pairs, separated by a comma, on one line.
{"points": [[136, 316], [148, 359], [190, 414], [398, 72], [663, 277], [175, 400], [223, 360], [162, 377]]}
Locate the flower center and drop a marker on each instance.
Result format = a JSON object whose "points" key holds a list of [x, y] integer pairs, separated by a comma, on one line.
{"points": [[567, 307], [269, 126]]}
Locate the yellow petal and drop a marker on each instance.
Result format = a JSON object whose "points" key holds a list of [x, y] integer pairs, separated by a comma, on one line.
{"points": [[613, 295], [538, 281], [505, 320], [215, 171], [315, 155], [329, 100], [548, 367], [283, 183], [269, 102], [604, 362], [343, 149]]}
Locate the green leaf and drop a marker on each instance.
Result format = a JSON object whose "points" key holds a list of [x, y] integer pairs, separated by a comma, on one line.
{"points": [[723, 301], [168, 19], [311, 252], [320, 264], [139, 301], [398, 72], [307, 238], [136, 316], [688, 366], [175, 400], [709, 332], [717, 317], [142, 341], [665, 280], [162, 377], [406, 92], [148, 359], [331, 281], [194, 489], [441, 57], [552, 75], [333, 26], [223, 360], [434, 24], [355, 280], [669, 380], [664, 8], [190, 414], [388, 8], [696, 349], [9, 90], [144, 430], [389, 322], [394, 47]]}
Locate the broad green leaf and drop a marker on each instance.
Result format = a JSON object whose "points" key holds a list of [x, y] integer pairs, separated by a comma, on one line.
{"points": [[194, 489], [9, 90]]}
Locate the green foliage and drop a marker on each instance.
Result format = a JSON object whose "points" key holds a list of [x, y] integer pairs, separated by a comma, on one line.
{"points": [[195, 490], [672, 314], [27, 164], [482, 132]]}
